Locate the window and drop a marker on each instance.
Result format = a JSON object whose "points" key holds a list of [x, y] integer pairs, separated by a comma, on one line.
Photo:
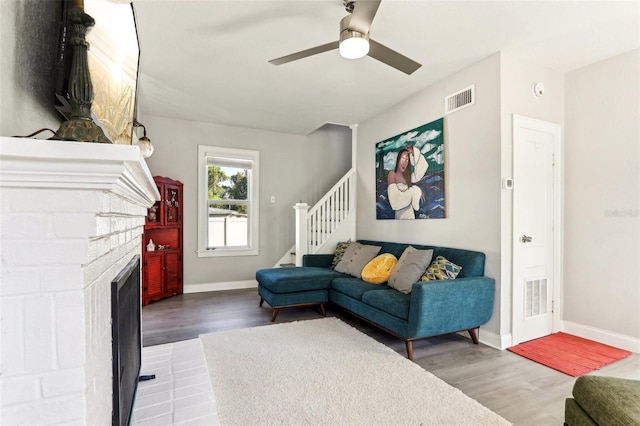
{"points": [[227, 201]]}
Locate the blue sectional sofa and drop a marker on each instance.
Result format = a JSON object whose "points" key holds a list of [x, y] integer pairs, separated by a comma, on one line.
{"points": [[431, 308]]}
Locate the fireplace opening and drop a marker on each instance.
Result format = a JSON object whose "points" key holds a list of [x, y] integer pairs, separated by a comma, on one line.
{"points": [[126, 340]]}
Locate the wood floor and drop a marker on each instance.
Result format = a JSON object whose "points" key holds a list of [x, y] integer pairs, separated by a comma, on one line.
{"points": [[520, 390]]}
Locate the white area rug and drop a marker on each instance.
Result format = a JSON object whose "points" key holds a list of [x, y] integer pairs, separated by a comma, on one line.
{"points": [[325, 372]]}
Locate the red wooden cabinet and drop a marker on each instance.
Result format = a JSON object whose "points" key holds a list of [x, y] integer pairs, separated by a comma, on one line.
{"points": [[162, 264]]}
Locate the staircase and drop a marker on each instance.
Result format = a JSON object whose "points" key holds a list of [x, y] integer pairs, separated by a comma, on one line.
{"points": [[330, 220]]}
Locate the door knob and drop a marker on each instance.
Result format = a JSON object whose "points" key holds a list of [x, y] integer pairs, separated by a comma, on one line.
{"points": [[526, 239]]}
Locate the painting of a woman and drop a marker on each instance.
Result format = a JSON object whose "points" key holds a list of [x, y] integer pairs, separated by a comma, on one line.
{"points": [[410, 174], [404, 196]]}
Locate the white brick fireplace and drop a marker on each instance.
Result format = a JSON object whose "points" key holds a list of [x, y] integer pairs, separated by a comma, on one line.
{"points": [[72, 215]]}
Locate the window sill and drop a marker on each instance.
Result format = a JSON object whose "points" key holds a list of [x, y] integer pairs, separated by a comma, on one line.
{"points": [[227, 252]]}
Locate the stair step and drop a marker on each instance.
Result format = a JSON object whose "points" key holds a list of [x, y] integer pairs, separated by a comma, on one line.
{"points": [[287, 265]]}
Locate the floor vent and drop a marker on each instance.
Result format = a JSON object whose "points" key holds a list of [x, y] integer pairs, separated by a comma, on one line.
{"points": [[462, 99]]}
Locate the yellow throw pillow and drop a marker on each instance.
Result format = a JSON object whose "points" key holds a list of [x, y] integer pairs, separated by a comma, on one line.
{"points": [[378, 270]]}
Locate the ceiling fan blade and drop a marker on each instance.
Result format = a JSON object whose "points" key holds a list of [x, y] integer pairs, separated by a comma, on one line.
{"points": [[363, 14], [392, 58], [304, 53]]}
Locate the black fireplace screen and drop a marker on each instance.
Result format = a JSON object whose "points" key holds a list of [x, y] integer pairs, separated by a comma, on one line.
{"points": [[126, 343]]}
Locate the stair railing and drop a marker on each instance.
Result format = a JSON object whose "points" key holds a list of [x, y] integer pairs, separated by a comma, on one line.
{"points": [[315, 225]]}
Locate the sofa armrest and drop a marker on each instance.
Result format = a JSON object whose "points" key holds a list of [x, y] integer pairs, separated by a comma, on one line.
{"points": [[318, 260], [446, 306]]}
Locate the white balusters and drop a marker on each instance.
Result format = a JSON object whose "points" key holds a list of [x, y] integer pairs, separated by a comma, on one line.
{"points": [[325, 217]]}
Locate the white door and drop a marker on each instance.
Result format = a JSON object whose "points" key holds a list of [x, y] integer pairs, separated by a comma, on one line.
{"points": [[534, 208]]}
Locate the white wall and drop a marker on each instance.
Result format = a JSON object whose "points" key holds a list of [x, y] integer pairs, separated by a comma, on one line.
{"points": [[472, 173], [602, 199], [293, 168], [516, 81], [27, 31]]}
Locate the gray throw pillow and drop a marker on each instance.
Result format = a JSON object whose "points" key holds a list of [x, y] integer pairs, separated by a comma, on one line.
{"points": [[355, 258], [409, 268]]}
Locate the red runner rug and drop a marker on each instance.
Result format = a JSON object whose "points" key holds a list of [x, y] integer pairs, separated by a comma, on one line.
{"points": [[569, 354]]}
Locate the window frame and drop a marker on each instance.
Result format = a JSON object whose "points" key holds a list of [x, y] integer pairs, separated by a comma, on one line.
{"points": [[253, 197]]}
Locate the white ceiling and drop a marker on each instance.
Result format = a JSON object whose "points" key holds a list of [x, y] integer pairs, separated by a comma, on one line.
{"points": [[207, 60]]}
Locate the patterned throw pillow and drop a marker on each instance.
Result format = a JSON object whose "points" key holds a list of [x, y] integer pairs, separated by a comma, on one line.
{"points": [[441, 269], [340, 248], [379, 269]]}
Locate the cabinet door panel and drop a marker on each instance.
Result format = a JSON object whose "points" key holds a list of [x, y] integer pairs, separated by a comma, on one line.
{"points": [[173, 271], [154, 274]]}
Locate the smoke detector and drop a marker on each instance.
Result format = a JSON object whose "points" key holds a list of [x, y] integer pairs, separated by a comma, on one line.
{"points": [[538, 90]]}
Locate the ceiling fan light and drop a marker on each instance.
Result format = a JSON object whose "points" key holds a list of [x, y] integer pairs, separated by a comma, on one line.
{"points": [[353, 45]]}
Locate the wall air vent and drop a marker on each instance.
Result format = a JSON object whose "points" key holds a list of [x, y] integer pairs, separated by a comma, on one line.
{"points": [[535, 297], [462, 99]]}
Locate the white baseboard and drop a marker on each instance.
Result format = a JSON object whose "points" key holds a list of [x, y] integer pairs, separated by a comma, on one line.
{"points": [[494, 340], [603, 336], [229, 285], [490, 339], [608, 338]]}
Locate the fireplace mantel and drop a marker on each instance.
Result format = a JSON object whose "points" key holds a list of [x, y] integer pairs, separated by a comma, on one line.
{"points": [[39, 163], [72, 216]]}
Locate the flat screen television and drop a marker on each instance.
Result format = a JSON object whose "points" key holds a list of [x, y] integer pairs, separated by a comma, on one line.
{"points": [[113, 56]]}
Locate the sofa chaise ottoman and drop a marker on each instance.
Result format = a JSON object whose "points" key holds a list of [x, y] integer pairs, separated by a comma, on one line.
{"points": [[425, 309], [295, 287]]}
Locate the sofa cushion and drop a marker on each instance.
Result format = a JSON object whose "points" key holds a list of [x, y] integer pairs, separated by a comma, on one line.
{"points": [[390, 301], [355, 257], [409, 268], [304, 278], [355, 287], [441, 269], [574, 415], [378, 270], [337, 255]]}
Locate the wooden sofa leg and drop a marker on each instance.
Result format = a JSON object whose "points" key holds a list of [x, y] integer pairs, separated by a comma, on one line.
{"points": [[261, 302], [322, 311], [409, 345], [474, 336], [275, 314]]}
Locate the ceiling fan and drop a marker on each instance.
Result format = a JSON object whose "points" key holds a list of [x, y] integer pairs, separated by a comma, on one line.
{"points": [[354, 40]]}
